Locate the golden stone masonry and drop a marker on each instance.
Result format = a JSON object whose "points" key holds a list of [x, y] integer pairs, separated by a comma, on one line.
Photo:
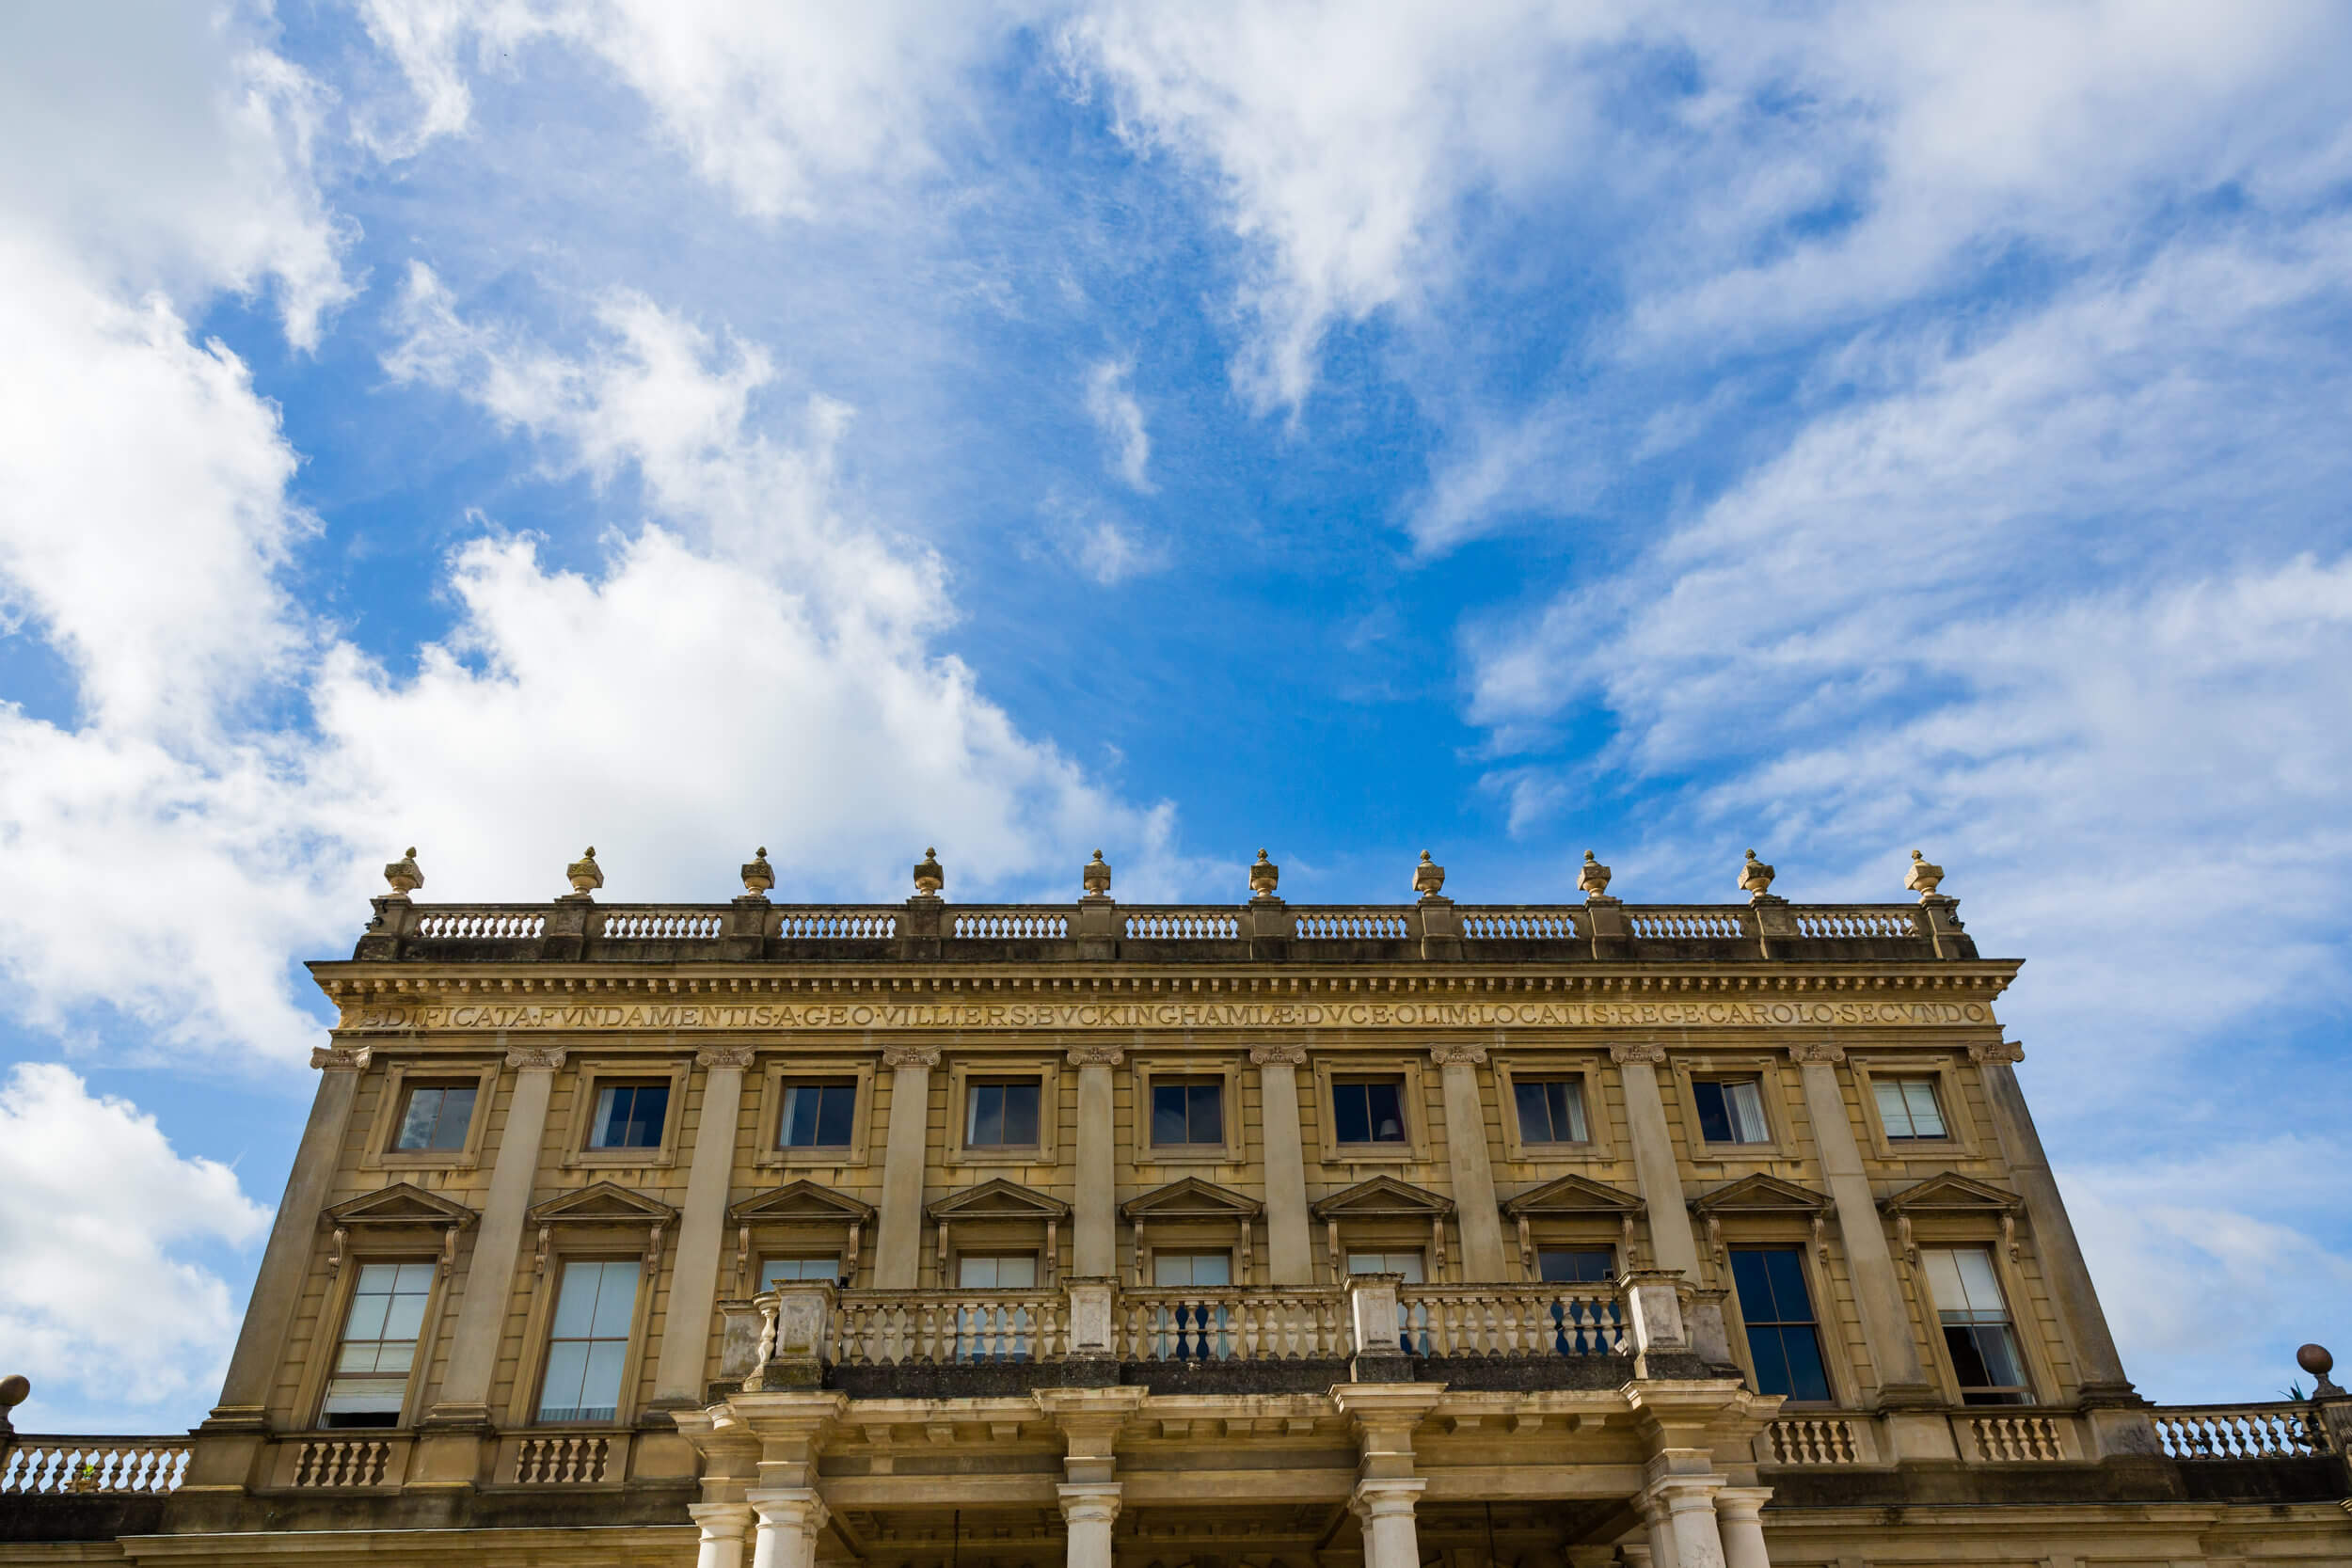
{"points": [[1253, 1235]]}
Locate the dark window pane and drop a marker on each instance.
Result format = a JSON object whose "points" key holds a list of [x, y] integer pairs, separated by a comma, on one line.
{"points": [[449, 1131], [1385, 1105], [1204, 1112], [817, 1116], [1714, 1117], [1799, 1359], [1534, 1114], [1167, 1114], [1779, 1315], [1789, 1293], [987, 1115], [837, 1121], [1756, 1289], [1020, 1114], [1350, 1119], [1563, 1267], [630, 1115]]}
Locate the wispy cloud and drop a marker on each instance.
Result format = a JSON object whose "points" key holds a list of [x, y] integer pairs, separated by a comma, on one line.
{"points": [[1110, 400]]}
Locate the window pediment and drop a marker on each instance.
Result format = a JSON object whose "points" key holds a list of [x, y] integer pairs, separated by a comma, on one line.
{"points": [[602, 1203], [1762, 1194], [1382, 1197], [1572, 1194], [402, 1203], [1191, 1199], [997, 1199], [1951, 1192], [801, 1202]]}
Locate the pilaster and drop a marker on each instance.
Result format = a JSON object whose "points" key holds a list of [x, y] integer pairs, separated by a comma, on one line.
{"points": [[695, 1278], [1470, 1163], [899, 1230], [1655, 1168], [1094, 1247], [1290, 1258]]}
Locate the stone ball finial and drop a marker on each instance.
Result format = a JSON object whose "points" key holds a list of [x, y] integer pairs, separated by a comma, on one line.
{"points": [[405, 875], [1264, 876], [758, 876], [1096, 875], [584, 875], [16, 1387], [1593, 879], [1924, 876], [2315, 1360], [1428, 877], [930, 876], [1755, 878]]}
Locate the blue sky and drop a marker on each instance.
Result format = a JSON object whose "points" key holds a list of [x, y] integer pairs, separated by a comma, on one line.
{"points": [[1501, 429]]}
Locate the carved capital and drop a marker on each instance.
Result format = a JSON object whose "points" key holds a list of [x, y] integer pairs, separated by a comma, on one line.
{"points": [[1999, 1051], [1449, 1055], [1817, 1051], [909, 1055], [737, 1056], [1278, 1055], [339, 1059], [1096, 1055], [1624, 1053], [546, 1058]]}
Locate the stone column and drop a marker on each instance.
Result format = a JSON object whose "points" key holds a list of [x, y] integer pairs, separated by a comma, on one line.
{"points": [[1089, 1509], [899, 1236], [1671, 1245], [1738, 1515], [1470, 1163], [1690, 1516], [1290, 1260], [694, 1278], [723, 1527], [473, 1348], [1094, 1244], [2063, 1264], [244, 1392], [1658, 1526], [789, 1520], [1385, 1508], [1886, 1326]]}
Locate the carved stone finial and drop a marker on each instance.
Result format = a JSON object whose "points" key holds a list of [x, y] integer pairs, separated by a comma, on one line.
{"points": [[1924, 876], [2313, 1359], [1428, 877], [16, 1387], [405, 875], [758, 876], [1755, 878], [1592, 881], [585, 877], [1263, 877], [1097, 876], [930, 876]]}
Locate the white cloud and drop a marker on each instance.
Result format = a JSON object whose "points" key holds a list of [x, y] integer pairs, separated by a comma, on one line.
{"points": [[98, 1215], [1111, 404]]}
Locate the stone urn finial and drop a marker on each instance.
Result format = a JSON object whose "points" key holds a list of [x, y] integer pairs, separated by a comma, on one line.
{"points": [[930, 876], [758, 876], [405, 875], [1096, 875], [585, 877], [1755, 878], [15, 1389], [1924, 876], [2316, 1360], [1593, 881], [1428, 877], [1263, 877]]}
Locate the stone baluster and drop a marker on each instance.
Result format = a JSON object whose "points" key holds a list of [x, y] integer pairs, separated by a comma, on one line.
{"points": [[1290, 1258], [694, 1278], [899, 1236]]}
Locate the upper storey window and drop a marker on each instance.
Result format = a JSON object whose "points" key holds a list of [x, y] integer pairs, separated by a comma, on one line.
{"points": [[1731, 1111], [588, 1346], [1369, 1111], [1552, 1110], [1187, 1111], [819, 1115], [1784, 1339], [1908, 1110], [1001, 1114], [379, 1346], [1977, 1330], [630, 1115], [435, 1117]]}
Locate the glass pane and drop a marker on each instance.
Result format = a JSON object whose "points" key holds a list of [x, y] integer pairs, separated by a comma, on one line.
{"points": [[1977, 1279], [1786, 1269], [604, 1128], [1893, 1114], [1167, 1114], [396, 1356], [1567, 1117], [358, 1356], [1753, 1285], [1943, 1284], [406, 1317], [1798, 1355], [651, 1109], [416, 1125], [1563, 1267], [1016, 1274], [600, 1384], [1191, 1268], [1745, 1100], [567, 1363], [838, 1119], [367, 1316], [1927, 1116], [575, 1300], [1350, 1119], [800, 1116], [776, 1271], [1205, 1118], [1387, 1108], [986, 1126], [413, 1279], [348, 1394], [449, 1130], [1714, 1120], [377, 1278], [1020, 1115], [617, 1301], [1534, 1112]]}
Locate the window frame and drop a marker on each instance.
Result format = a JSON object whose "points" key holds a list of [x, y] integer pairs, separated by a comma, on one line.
{"points": [[763, 1258], [558, 1272], [1950, 1228], [594, 1076], [583, 1244], [1144, 1071], [1598, 1147], [335, 1312], [959, 1076], [1834, 1373], [392, 1105], [768, 1114], [1960, 1142], [1413, 1101], [1771, 1090], [1933, 1311]]}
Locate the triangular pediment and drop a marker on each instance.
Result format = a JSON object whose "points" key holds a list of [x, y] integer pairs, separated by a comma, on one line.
{"points": [[800, 1201], [602, 1203], [1382, 1197], [998, 1199], [1572, 1194], [1761, 1194], [402, 1203], [1952, 1192], [1191, 1199]]}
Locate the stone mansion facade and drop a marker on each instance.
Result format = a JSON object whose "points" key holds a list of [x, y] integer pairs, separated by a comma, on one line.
{"points": [[927, 1235]]}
